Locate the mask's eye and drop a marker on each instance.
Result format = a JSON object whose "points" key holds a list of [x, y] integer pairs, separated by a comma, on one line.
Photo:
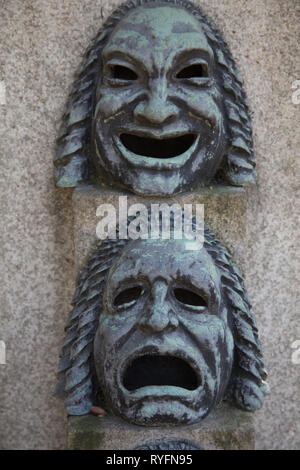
{"points": [[120, 72], [128, 296], [193, 71], [189, 298]]}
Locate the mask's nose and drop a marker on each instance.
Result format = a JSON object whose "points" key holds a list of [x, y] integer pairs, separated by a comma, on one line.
{"points": [[158, 315], [156, 109]]}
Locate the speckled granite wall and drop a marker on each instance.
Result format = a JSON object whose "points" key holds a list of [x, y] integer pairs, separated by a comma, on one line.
{"points": [[41, 45]]}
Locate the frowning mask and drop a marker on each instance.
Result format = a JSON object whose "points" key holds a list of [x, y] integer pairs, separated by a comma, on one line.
{"points": [[163, 350], [157, 107], [168, 331]]}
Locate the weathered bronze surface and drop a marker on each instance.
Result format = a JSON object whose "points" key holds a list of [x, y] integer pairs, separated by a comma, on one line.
{"points": [[159, 334], [157, 106]]}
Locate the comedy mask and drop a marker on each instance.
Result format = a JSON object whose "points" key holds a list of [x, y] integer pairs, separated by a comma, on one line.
{"points": [[160, 333], [157, 106]]}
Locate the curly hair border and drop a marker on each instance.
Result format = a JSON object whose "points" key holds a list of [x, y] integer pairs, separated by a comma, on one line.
{"points": [[72, 161]]}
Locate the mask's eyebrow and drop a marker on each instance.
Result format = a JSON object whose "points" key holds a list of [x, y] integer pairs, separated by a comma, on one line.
{"points": [[193, 54], [206, 286], [136, 276], [118, 55]]}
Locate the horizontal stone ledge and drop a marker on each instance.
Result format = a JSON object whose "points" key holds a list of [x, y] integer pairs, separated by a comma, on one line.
{"points": [[225, 428], [224, 210]]}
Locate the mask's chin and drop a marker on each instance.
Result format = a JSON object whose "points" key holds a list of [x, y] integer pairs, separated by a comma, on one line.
{"points": [[161, 407], [173, 412]]}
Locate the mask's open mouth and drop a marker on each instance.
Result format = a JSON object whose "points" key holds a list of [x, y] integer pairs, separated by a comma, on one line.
{"points": [[158, 148], [156, 370]]}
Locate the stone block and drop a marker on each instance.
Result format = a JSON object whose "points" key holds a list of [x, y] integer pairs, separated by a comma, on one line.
{"points": [[224, 209], [225, 428]]}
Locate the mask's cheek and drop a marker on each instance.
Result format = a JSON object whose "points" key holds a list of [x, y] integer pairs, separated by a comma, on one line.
{"points": [[203, 105], [223, 359], [106, 350], [105, 366], [114, 101], [110, 343], [214, 342], [114, 326], [107, 106]]}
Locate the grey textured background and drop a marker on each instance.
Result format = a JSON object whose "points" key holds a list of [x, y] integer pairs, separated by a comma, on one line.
{"points": [[41, 46]]}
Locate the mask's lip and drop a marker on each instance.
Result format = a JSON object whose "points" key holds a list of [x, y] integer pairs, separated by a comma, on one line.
{"points": [[161, 392], [156, 133], [156, 163]]}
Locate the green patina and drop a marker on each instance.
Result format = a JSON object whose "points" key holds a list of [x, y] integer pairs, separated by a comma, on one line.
{"points": [[85, 433]]}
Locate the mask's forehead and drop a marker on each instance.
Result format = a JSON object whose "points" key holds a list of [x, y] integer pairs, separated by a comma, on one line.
{"points": [[157, 33], [168, 259]]}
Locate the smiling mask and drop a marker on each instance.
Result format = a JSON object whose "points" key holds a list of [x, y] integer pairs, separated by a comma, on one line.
{"points": [[157, 107]]}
